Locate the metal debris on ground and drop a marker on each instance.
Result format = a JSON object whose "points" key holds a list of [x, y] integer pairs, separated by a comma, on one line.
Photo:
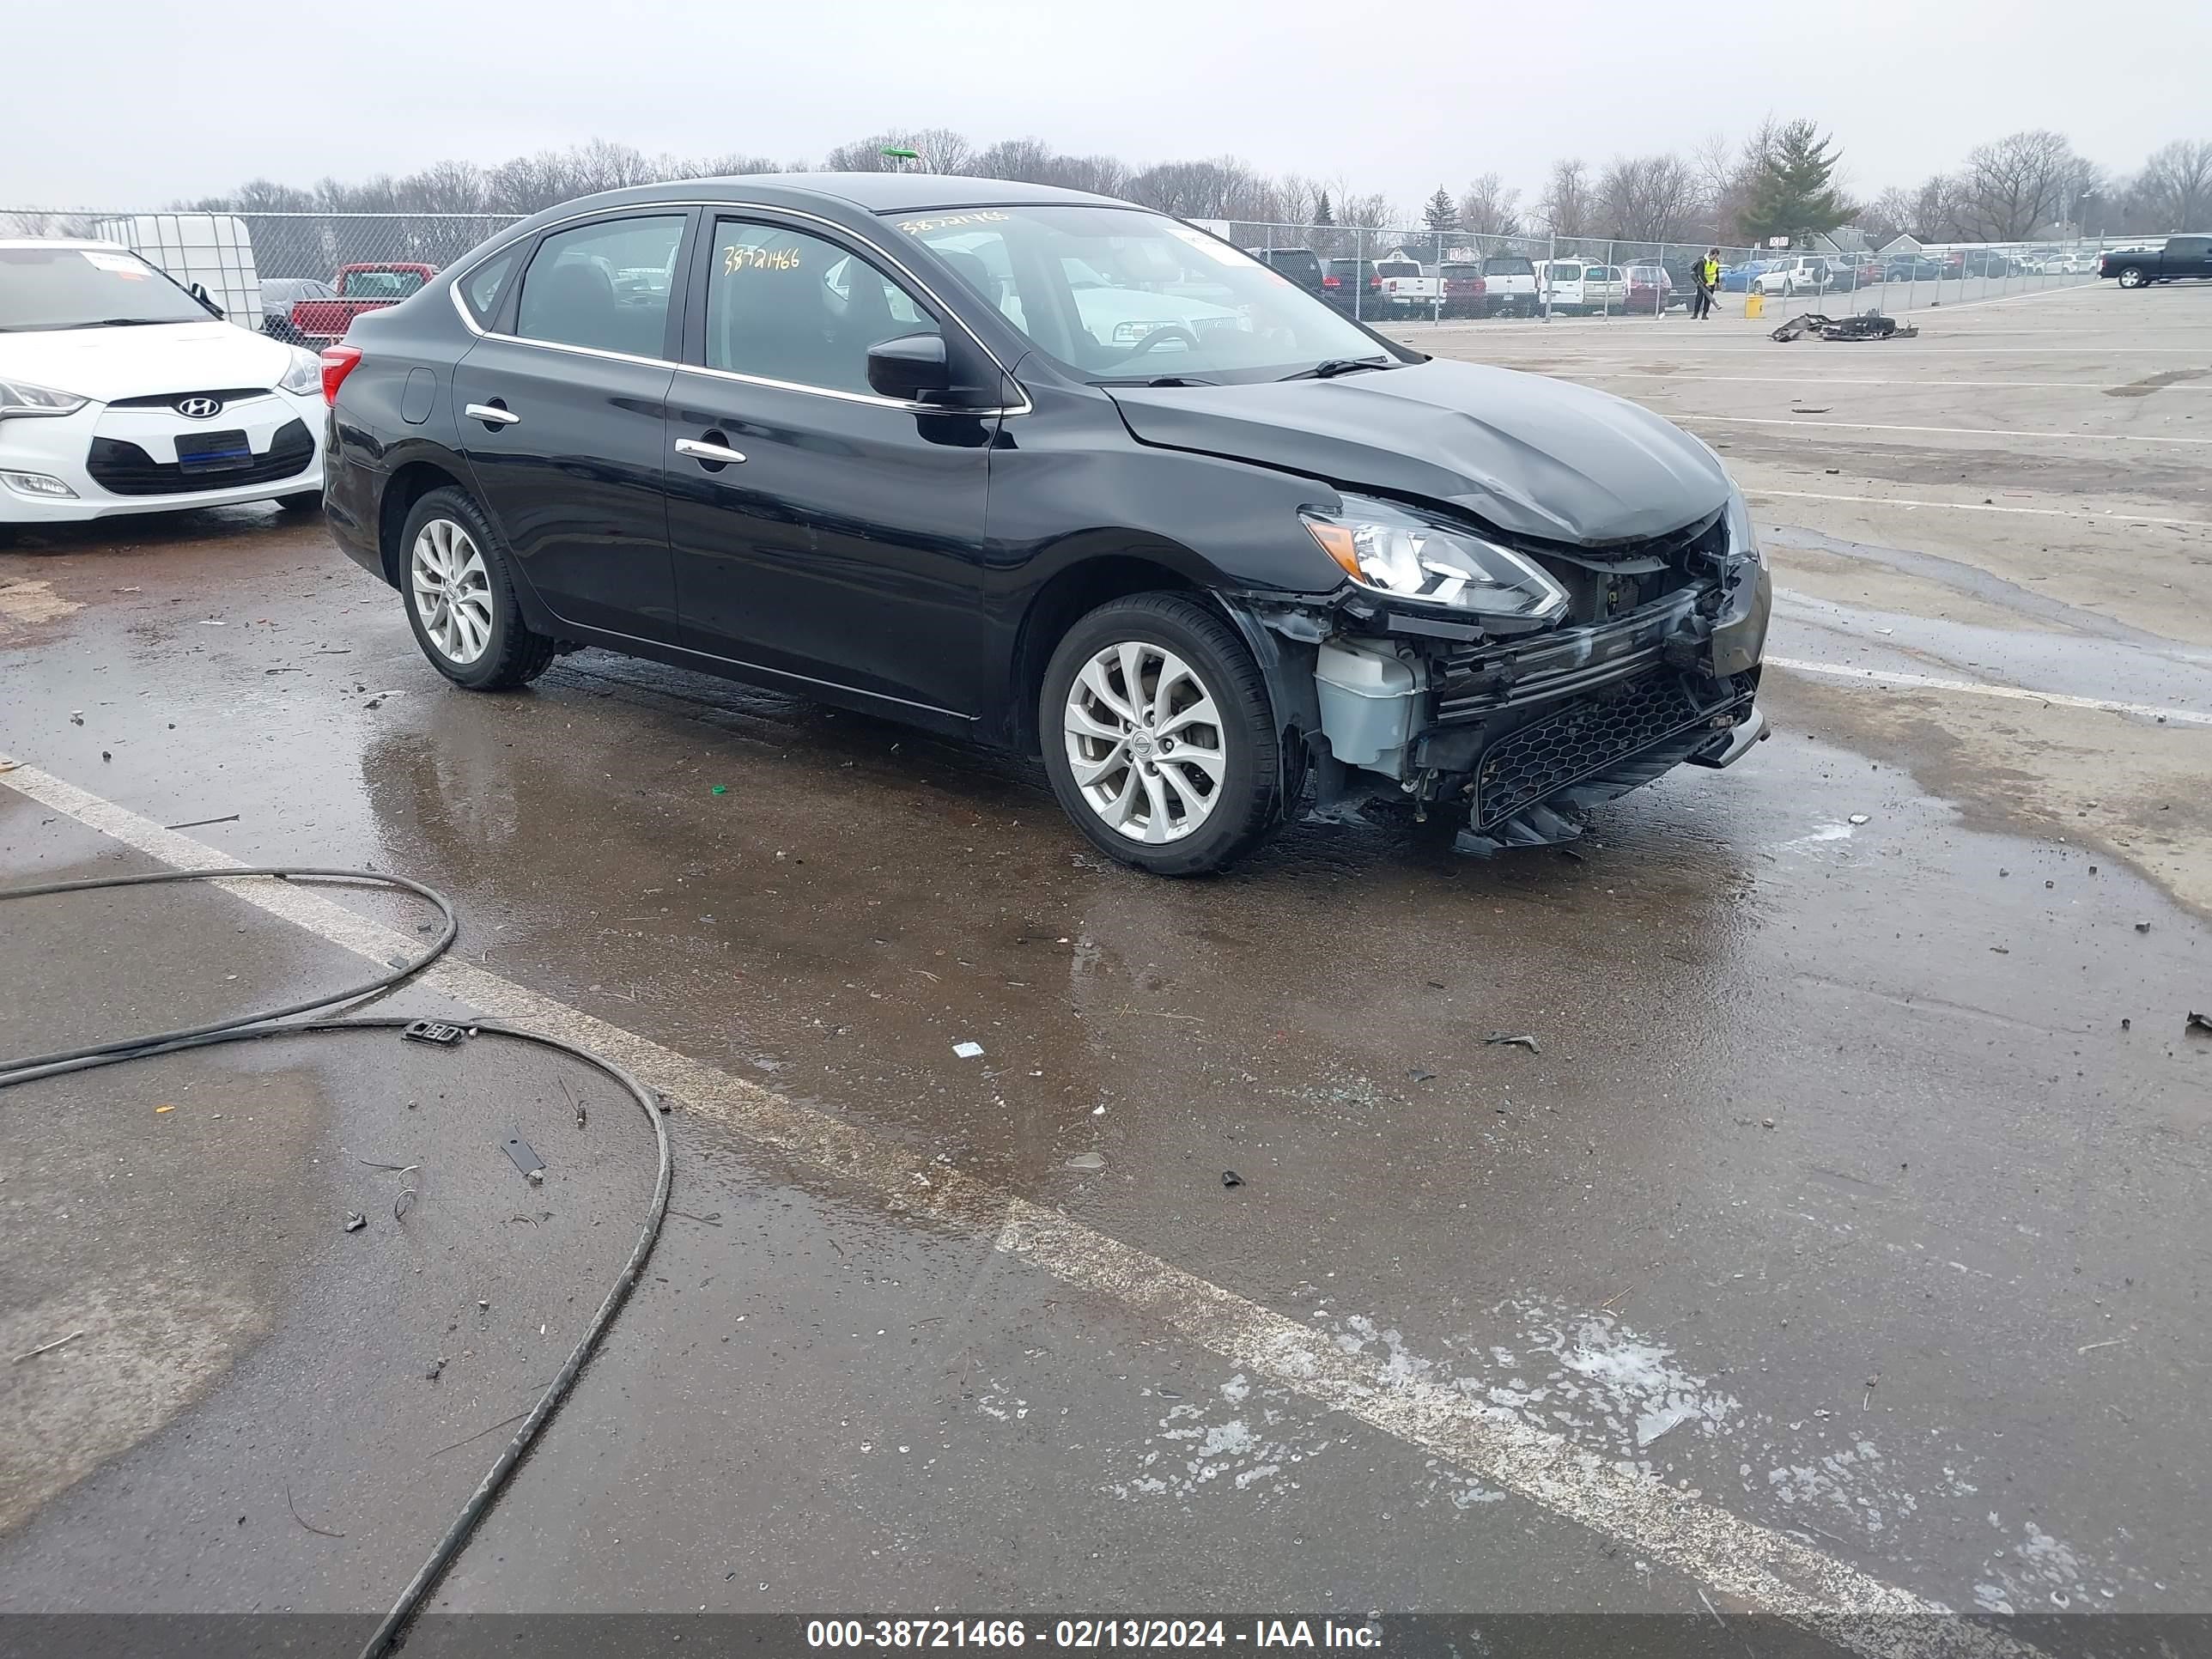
{"points": [[1858, 817], [320, 1532], [1230, 1178], [433, 1030], [2198, 1022], [48, 1347], [531, 1165], [1510, 1040], [969, 1050], [1869, 325], [355, 1221], [2143, 927]]}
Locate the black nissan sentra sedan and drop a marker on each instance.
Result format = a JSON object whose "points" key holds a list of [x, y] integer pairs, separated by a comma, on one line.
{"points": [[1053, 473]]}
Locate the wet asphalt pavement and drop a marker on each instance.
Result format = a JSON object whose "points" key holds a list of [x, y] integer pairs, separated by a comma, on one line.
{"points": [[1854, 1179]]}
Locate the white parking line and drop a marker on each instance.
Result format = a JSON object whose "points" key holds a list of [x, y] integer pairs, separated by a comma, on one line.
{"points": [[1953, 431], [2113, 514], [1884, 678], [1765, 1570]]}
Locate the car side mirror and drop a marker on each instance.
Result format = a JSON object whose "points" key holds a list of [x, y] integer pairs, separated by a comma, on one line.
{"points": [[198, 291], [917, 368]]}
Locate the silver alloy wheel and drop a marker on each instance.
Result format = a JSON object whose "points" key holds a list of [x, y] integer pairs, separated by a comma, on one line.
{"points": [[1144, 742], [453, 591]]}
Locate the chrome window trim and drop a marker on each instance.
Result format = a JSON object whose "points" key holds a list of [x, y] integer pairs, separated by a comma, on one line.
{"points": [[460, 306]]}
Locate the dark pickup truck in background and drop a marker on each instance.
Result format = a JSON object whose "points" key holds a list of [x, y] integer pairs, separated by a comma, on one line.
{"points": [[2139, 267]]}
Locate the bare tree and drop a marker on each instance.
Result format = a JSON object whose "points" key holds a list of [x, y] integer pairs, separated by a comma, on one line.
{"points": [[937, 149], [2174, 189], [1567, 208], [1220, 188], [1488, 208], [1651, 198], [2016, 185]]}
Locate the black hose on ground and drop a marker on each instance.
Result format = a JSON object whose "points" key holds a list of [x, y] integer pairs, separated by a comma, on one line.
{"points": [[122, 1047], [253, 1027]]}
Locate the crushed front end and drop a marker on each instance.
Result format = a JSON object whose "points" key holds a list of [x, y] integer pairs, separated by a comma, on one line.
{"points": [[1587, 672]]}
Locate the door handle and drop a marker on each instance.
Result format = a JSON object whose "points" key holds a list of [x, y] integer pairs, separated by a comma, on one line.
{"points": [[491, 414], [714, 454]]}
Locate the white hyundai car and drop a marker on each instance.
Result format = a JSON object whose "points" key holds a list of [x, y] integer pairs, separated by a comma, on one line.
{"points": [[121, 392]]}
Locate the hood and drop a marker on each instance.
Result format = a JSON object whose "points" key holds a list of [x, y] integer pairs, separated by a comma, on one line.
{"points": [[104, 364], [1530, 455]]}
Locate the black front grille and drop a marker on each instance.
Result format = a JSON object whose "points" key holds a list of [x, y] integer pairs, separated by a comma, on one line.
{"points": [[224, 395], [1538, 759], [123, 468]]}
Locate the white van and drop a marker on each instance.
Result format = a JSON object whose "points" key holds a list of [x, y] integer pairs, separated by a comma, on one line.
{"points": [[1560, 282]]}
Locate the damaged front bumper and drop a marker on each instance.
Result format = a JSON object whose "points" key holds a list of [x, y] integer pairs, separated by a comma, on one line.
{"points": [[1526, 733]]}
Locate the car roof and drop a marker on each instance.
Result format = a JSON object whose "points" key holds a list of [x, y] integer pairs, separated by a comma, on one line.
{"points": [[63, 241], [874, 192]]}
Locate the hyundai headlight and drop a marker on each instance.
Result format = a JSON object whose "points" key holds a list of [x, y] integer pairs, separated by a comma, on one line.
{"points": [[304, 377], [1410, 555], [1743, 540], [19, 398]]}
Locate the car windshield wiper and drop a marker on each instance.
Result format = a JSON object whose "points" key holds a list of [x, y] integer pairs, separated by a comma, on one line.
{"points": [[1160, 380], [130, 322], [1333, 367]]}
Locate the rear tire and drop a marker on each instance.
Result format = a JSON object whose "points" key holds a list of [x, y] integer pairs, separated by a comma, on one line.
{"points": [[458, 584], [1160, 737], [2133, 277]]}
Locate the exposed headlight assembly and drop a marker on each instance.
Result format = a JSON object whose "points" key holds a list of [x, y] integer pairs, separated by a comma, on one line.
{"points": [[1743, 540], [1410, 555], [304, 377], [19, 399]]}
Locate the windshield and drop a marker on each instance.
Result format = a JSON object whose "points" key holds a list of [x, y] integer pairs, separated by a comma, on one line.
{"points": [[58, 287], [1120, 294], [381, 284]]}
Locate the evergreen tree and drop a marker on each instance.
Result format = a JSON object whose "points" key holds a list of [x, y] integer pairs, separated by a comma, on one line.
{"points": [[1322, 214], [1789, 190], [1442, 212]]}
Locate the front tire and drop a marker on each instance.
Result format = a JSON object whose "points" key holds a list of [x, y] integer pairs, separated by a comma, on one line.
{"points": [[2133, 277], [459, 588], [1159, 738]]}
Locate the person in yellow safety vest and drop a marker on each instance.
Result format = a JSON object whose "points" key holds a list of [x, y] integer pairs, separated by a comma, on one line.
{"points": [[1707, 271]]}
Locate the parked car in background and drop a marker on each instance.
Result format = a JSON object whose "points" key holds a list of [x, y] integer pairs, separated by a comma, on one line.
{"points": [[1357, 290], [2139, 267], [1988, 262], [279, 294], [1738, 279], [1559, 285], [122, 392], [1651, 289], [1802, 273], [1509, 285], [1301, 265], [1911, 268], [870, 449], [1407, 287], [359, 288], [1466, 293], [1605, 288]]}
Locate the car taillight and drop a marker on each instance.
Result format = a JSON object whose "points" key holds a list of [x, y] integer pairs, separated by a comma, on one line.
{"points": [[1332, 282], [339, 362]]}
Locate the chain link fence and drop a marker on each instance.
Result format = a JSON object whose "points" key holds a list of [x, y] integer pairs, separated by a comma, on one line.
{"points": [[263, 267], [1422, 275]]}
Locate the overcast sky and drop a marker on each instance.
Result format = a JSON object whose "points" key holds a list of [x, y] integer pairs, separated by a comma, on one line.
{"points": [[134, 103]]}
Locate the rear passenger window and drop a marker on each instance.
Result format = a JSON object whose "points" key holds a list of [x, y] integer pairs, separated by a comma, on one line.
{"points": [[481, 287], [785, 306], [605, 286]]}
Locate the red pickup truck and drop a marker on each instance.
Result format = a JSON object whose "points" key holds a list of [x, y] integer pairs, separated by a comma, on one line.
{"points": [[360, 287]]}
